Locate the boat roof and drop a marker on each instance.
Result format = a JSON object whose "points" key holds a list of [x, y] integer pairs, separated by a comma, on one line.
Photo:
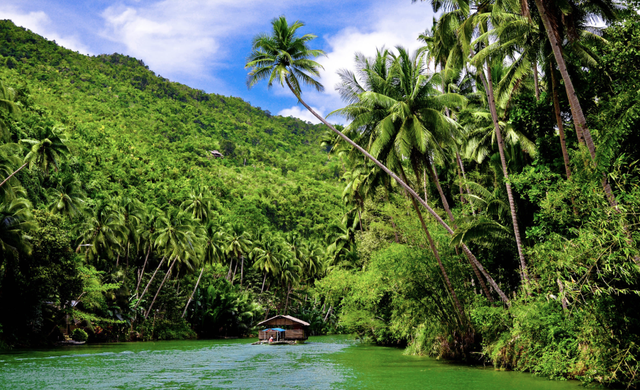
{"points": [[293, 319]]}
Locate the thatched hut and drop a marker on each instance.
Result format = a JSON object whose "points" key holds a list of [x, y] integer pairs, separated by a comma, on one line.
{"points": [[284, 328]]}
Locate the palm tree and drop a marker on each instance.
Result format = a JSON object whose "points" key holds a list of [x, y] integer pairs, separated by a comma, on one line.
{"points": [[16, 221], [103, 231], [467, 23], [8, 105], [44, 153], [213, 252], [267, 258], [238, 245], [179, 240], [284, 57], [199, 204], [67, 198]]}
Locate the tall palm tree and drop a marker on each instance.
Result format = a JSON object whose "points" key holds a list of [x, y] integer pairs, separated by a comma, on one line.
{"points": [[103, 232], [238, 245], [179, 240], [283, 56]]}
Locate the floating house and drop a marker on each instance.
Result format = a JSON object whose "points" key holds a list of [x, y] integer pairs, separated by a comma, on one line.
{"points": [[284, 329]]}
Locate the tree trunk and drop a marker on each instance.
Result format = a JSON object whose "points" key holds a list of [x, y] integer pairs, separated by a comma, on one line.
{"points": [[535, 81], [241, 269], [160, 288], [148, 284], [14, 172], [464, 177], [143, 268], [584, 135], [556, 106], [326, 317], [193, 293], [230, 268], [434, 176], [401, 183], [512, 205], [432, 245], [424, 183], [360, 220], [263, 281], [235, 269], [286, 305]]}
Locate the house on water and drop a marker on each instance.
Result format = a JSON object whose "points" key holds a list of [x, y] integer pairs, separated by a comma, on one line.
{"points": [[284, 328]]}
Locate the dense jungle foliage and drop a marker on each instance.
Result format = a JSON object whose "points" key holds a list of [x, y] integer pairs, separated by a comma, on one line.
{"points": [[508, 234]]}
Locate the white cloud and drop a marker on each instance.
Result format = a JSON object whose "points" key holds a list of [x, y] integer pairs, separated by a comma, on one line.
{"points": [[40, 23], [183, 37], [302, 113], [386, 26]]}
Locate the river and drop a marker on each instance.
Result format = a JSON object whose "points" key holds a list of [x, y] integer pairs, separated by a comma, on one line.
{"points": [[326, 362]]}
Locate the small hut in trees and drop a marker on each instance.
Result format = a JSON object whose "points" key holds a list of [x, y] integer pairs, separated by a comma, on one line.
{"points": [[284, 328], [217, 154]]}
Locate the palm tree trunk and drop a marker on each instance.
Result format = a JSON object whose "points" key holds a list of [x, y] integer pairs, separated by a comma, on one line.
{"points": [[286, 305], [193, 293], [503, 160], [142, 270], [326, 317], [424, 183], [432, 245], [401, 183], [241, 269], [148, 284], [230, 268], [14, 172], [556, 106], [160, 288], [234, 273], [434, 176], [464, 177], [584, 135], [263, 281], [535, 81], [360, 220]]}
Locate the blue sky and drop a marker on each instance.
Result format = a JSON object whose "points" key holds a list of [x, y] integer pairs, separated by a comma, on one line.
{"points": [[204, 43]]}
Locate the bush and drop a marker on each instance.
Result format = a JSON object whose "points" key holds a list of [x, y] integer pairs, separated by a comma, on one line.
{"points": [[79, 335]]}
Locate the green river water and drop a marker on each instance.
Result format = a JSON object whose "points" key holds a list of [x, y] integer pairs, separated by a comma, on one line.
{"points": [[323, 363]]}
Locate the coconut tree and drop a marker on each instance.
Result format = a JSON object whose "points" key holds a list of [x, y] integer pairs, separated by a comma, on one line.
{"points": [[178, 240], [44, 152], [284, 57], [237, 246], [8, 106], [102, 232], [67, 198], [16, 221]]}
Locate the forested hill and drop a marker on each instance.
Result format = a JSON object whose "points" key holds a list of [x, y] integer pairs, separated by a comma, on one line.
{"points": [[136, 134]]}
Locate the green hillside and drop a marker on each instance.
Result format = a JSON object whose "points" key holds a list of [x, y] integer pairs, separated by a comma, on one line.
{"points": [[137, 134], [140, 185]]}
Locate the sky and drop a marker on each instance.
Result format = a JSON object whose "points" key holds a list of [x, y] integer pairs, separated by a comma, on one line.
{"points": [[204, 43]]}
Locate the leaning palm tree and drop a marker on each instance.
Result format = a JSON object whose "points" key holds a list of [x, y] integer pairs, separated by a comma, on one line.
{"points": [[45, 152], [284, 57]]}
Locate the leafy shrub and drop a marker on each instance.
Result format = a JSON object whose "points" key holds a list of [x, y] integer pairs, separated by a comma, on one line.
{"points": [[79, 335]]}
